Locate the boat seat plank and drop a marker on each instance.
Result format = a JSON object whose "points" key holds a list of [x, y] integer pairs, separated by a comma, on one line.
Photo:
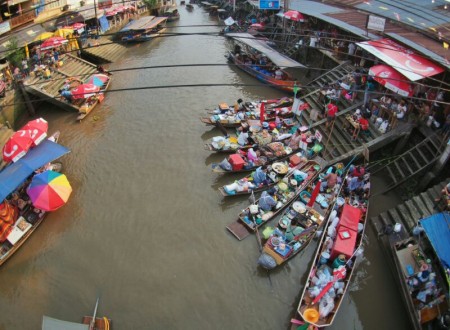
{"points": [[239, 230]]}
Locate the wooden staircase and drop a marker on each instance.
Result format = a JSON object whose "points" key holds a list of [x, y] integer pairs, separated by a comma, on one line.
{"points": [[412, 162], [104, 50], [48, 89]]}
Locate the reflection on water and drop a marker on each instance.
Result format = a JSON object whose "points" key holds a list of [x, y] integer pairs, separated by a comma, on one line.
{"points": [[145, 225]]}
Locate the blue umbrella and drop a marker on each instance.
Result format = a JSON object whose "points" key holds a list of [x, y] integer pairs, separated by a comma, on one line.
{"points": [[98, 80]]}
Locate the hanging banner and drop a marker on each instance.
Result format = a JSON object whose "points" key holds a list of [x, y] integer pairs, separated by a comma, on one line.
{"points": [[269, 5]]}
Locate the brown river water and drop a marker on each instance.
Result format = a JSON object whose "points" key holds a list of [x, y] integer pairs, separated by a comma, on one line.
{"points": [[145, 225]]}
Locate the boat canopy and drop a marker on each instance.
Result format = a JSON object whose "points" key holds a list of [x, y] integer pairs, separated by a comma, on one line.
{"points": [[261, 46], [49, 323], [144, 23], [437, 229], [16, 173], [170, 10]]}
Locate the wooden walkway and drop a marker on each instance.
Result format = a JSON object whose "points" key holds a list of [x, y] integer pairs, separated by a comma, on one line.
{"points": [[407, 214], [104, 50], [48, 89], [339, 144]]}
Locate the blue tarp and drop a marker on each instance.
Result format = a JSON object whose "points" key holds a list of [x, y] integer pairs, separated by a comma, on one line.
{"points": [[437, 228], [16, 173], [104, 24]]}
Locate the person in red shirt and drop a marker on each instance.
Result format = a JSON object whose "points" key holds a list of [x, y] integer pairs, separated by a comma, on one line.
{"points": [[364, 123], [331, 114]]}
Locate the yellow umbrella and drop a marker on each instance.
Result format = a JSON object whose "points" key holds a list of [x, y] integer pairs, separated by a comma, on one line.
{"points": [[43, 36]]}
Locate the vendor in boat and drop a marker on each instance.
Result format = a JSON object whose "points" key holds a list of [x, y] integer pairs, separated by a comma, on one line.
{"points": [[278, 74], [239, 105], [294, 142], [66, 94], [267, 200], [329, 181]]}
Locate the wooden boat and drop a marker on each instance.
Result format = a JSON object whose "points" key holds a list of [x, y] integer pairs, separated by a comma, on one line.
{"points": [[142, 29], [245, 60], [272, 152], [273, 174], [223, 120], [334, 263], [26, 218], [279, 247], [253, 217], [89, 323], [414, 257], [229, 144], [86, 105], [171, 13]]}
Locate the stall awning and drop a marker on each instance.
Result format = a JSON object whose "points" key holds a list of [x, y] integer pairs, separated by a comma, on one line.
{"points": [[437, 228], [14, 174], [405, 61], [24, 37], [261, 46]]}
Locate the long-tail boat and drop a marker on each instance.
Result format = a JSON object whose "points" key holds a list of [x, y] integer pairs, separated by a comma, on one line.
{"points": [[335, 259]]}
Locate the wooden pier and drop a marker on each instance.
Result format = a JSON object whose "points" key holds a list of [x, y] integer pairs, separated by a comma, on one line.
{"points": [[48, 89], [407, 215], [104, 50], [339, 143]]}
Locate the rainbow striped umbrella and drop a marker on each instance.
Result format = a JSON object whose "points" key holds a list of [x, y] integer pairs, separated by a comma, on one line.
{"points": [[49, 190]]}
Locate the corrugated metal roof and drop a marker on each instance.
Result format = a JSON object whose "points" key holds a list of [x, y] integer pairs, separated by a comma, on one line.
{"points": [[421, 43], [422, 15], [354, 21]]}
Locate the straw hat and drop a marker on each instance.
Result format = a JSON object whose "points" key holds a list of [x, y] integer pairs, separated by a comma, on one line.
{"points": [[280, 168]]}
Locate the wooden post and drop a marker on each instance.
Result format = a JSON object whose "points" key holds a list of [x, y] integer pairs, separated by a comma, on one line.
{"points": [[28, 102]]}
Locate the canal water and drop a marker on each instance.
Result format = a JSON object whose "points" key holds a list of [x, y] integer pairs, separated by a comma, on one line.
{"points": [[145, 226]]}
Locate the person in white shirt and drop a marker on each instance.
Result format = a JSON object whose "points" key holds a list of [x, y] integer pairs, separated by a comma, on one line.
{"points": [[312, 41]]}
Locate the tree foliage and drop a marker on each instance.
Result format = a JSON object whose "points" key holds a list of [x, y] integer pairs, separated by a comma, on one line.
{"points": [[15, 54], [151, 4]]}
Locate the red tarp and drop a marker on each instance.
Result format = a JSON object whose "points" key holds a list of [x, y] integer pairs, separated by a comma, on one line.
{"points": [[350, 217], [405, 61]]}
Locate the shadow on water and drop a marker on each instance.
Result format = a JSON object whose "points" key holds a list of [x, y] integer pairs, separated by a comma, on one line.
{"points": [[214, 158]]}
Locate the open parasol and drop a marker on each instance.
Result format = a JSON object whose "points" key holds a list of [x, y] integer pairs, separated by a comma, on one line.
{"points": [[38, 129], [17, 146], [49, 190]]}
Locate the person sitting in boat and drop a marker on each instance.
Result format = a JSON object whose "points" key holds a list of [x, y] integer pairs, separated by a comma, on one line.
{"points": [[239, 105], [102, 70], [267, 200], [329, 181], [237, 50], [66, 94], [292, 230], [278, 74], [259, 176], [245, 138], [294, 142]]}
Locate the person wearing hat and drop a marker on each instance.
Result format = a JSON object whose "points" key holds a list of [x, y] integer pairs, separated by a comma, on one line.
{"points": [[267, 200]]}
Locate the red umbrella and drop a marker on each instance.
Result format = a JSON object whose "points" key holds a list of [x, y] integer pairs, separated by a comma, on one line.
{"points": [[294, 15], [314, 195], [262, 111], [53, 42], [391, 79], [38, 129], [84, 91], [257, 26], [17, 146], [339, 274]]}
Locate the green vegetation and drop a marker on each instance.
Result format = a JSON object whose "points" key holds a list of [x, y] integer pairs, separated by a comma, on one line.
{"points": [[151, 4], [15, 54]]}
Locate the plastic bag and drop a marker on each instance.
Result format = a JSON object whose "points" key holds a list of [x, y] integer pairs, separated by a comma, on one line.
{"points": [[225, 165], [326, 305]]}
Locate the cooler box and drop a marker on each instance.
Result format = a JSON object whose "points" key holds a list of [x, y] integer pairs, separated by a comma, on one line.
{"points": [[237, 162], [294, 160], [349, 218], [344, 244]]}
